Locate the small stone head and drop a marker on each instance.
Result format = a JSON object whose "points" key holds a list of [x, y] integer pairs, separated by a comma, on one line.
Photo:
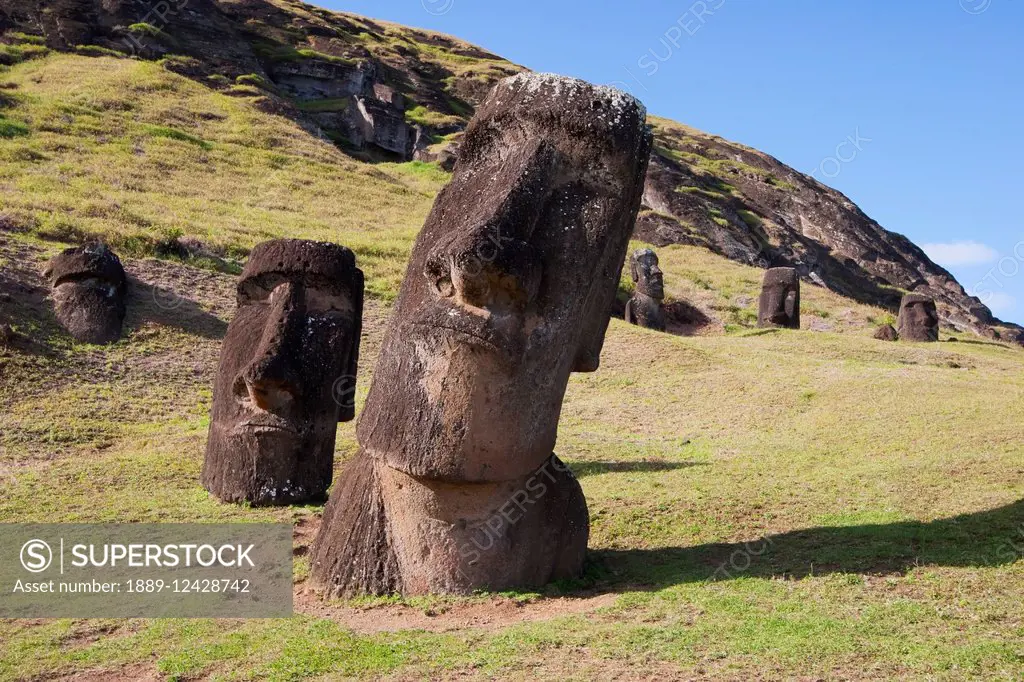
{"points": [[643, 267], [510, 282], [286, 375], [919, 319], [779, 305], [89, 288]]}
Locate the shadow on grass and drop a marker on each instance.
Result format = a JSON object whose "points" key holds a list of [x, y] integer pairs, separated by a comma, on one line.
{"points": [[983, 539], [151, 303], [581, 469]]}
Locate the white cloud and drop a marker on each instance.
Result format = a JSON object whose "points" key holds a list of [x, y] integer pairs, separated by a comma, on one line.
{"points": [[961, 253], [1000, 303]]}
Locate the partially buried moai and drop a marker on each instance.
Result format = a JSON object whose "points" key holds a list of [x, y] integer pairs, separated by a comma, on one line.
{"points": [[644, 307], [287, 374], [508, 291], [779, 305], [919, 319], [89, 290]]}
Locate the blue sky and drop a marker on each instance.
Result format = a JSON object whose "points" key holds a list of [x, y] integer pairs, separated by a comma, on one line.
{"points": [[932, 89]]}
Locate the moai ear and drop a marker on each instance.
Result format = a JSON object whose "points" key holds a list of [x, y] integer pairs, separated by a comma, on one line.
{"points": [[348, 385], [792, 304], [632, 269]]}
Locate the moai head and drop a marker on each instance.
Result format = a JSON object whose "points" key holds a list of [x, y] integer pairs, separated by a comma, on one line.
{"points": [[510, 282], [286, 375], [89, 288], [779, 305], [919, 319], [886, 333], [643, 266]]}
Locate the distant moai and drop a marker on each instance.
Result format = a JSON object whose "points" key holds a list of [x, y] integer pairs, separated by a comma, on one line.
{"points": [[645, 307], [779, 305], [887, 333], [508, 291], [919, 319], [287, 374], [89, 291]]}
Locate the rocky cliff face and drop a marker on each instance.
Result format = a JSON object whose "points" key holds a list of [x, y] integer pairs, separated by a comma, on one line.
{"points": [[387, 92]]}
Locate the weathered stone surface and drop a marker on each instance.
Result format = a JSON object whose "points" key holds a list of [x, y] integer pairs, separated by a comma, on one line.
{"points": [[779, 305], [89, 288], [507, 292], [887, 333], [287, 374], [644, 308], [919, 319]]}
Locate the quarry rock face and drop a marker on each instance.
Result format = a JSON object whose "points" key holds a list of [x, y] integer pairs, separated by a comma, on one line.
{"points": [[89, 288], [919, 319], [779, 304], [644, 308], [455, 487], [287, 374], [887, 333]]}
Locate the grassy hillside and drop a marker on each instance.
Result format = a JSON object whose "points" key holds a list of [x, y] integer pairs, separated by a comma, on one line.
{"points": [[764, 504]]}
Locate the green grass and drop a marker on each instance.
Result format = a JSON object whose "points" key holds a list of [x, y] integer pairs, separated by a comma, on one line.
{"points": [[764, 504]]}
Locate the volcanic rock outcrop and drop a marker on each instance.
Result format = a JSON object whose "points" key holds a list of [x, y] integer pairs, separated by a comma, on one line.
{"points": [[919, 319], [89, 288], [287, 374], [455, 487], [779, 305], [644, 307]]}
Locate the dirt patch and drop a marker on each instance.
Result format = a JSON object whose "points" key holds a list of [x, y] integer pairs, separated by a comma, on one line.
{"points": [[493, 613], [140, 672]]}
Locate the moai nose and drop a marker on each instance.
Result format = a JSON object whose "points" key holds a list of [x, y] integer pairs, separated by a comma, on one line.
{"points": [[486, 270], [270, 381]]}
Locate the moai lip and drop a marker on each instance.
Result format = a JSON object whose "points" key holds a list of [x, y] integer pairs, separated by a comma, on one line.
{"points": [[645, 307], [919, 319], [779, 305], [507, 292], [286, 375], [89, 290]]}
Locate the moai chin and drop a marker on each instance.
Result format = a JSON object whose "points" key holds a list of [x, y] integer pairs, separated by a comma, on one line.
{"points": [[455, 487], [779, 305], [644, 307], [919, 319], [286, 375], [89, 290]]}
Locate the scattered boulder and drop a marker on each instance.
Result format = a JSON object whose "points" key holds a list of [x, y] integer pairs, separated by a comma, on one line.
{"points": [[779, 305], [508, 290], [644, 308], [886, 333], [287, 374], [89, 288], [919, 319]]}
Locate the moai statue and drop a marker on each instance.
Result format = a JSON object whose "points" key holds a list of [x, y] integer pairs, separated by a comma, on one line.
{"points": [[455, 487], [644, 308], [89, 289], [886, 333], [919, 319], [287, 374], [780, 299]]}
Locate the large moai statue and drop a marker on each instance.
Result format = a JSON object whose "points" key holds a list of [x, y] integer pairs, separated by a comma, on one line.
{"points": [[779, 305], [287, 374], [455, 487], [919, 319], [89, 289], [644, 307]]}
